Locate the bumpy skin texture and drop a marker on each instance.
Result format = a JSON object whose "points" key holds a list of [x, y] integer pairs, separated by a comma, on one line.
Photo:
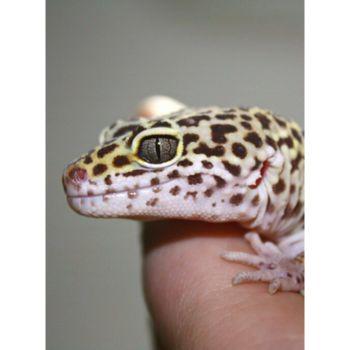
{"points": [[231, 164]]}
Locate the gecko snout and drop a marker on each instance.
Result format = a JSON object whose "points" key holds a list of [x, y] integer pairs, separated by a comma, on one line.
{"points": [[73, 177], [77, 175]]}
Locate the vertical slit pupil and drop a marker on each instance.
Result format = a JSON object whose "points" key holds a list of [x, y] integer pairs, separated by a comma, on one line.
{"points": [[158, 148]]}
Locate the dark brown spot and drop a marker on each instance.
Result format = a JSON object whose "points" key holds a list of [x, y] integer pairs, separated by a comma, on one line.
{"points": [[296, 162], [207, 164], [213, 204], [155, 181], [129, 206], [285, 141], [185, 162], [236, 199], [264, 120], [124, 129], [195, 179], [279, 187], [187, 139], [120, 161], [161, 123], [280, 122], [256, 165], [225, 116], [246, 125], [135, 132], [99, 169], [292, 188], [105, 150], [152, 202], [296, 134], [88, 159], [239, 150], [208, 192], [192, 194], [174, 174], [203, 148], [254, 138], [218, 132], [246, 117], [220, 182], [135, 172], [108, 180], [270, 141], [175, 190], [192, 121], [256, 200], [235, 170]]}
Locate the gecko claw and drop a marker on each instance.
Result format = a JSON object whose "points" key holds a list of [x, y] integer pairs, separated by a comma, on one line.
{"points": [[274, 286]]}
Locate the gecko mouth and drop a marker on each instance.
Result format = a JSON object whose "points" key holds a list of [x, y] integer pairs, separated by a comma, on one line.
{"points": [[130, 191]]}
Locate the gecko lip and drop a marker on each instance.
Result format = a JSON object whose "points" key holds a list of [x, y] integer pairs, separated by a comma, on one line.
{"points": [[127, 190]]}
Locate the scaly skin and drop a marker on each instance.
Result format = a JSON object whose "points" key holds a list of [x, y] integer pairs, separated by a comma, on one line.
{"points": [[228, 164]]}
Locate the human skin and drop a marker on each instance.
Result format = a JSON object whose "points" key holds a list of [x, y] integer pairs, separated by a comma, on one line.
{"points": [[192, 301]]}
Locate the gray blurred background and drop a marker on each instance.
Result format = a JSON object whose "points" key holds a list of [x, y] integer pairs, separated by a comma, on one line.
{"points": [[103, 56]]}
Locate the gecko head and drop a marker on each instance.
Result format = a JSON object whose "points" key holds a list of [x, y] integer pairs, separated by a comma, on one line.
{"points": [[203, 164], [110, 179]]}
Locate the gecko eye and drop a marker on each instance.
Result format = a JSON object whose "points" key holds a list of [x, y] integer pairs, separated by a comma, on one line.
{"points": [[158, 149]]}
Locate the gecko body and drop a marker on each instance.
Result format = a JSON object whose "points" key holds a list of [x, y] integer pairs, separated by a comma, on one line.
{"points": [[244, 165]]}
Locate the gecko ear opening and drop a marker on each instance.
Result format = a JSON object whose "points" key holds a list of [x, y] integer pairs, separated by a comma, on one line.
{"points": [[156, 106]]}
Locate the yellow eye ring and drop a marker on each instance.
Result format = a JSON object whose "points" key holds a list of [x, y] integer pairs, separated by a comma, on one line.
{"points": [[154, 132]]}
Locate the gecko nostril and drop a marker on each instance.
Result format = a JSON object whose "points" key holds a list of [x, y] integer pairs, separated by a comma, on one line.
{"points": [[77, 175]]}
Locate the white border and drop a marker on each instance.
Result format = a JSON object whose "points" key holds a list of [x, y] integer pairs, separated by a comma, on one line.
{"points": [[22, 174], [327, 174], [22, 144]]}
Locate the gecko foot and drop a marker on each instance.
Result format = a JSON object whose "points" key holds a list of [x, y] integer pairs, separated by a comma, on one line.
{"points": [[282, 270]]}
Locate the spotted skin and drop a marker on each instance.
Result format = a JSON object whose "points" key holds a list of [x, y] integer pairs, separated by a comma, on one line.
{"points": [[232, 164]]}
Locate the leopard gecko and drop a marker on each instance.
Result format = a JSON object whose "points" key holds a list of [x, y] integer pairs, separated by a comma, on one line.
{"points": [[243, 165]]}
